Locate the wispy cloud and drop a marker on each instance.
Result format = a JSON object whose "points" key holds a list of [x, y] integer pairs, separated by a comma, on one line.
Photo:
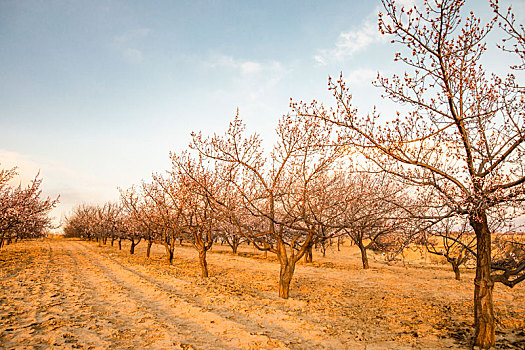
{"points": [[407, 3], [361, 76], [253, 77], [127, 44], [243, 67], [132, 55], [250, 67], [350, 42], [254, 86]]}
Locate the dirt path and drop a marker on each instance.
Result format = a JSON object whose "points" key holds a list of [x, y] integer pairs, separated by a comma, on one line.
{"points": [[75, 294]]}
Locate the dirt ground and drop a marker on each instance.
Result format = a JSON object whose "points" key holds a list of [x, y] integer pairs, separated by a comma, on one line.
{"points": [[74, 294]]}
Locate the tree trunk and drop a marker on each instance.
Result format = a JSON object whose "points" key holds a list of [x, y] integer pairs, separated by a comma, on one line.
{"points": [[132, 248], [203, 263], [455, 268], [309, 255], [170, 250], [364, 257], [235, 246], [120, 244], [484, 323], [112, 240], [285, 278], [148, 250], [180, 241]]}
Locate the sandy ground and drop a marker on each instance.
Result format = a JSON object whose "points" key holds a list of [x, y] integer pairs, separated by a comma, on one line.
{"points": [[74, 294]]}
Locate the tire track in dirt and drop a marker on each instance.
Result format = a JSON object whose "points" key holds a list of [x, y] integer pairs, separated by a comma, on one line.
{"points": [[66, 304], [346, 296], [267, 319], [125, 300], [33, 313], [204, 327], [18, 316], [185, 293], [114, 315]]}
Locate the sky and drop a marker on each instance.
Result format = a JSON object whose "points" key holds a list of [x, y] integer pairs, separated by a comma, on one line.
{"points": [[95, 94]]}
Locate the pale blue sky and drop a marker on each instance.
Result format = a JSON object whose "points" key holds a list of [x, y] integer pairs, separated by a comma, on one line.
{"points": [[96, 93]]}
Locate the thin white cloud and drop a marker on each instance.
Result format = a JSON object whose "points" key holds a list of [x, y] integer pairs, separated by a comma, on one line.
{"points": [[130, 36], [249, 67], [361, 77], [252, 76], [407, 3], [253, 86], [352, 41], [243, 67], [126, 44], [132, 55]]}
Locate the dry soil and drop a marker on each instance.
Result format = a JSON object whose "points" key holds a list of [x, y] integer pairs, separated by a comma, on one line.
{"points": [[76, 294]]}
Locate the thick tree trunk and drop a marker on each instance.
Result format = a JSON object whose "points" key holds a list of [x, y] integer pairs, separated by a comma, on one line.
{"points": [[285, 278], [148, 250], [203, 263], [235, 246], [120, 244], [112, 240], [484, 322], [364, 256], [132, 248]]}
